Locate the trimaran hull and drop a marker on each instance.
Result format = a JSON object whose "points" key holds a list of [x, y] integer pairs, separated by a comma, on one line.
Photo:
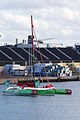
{"points": [[28, 91]]}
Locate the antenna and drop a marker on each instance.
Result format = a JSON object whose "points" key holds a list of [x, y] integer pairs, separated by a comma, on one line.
{"points": [[41, 40]]}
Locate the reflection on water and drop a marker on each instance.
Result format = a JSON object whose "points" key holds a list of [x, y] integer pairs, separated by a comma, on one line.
{"points": [[58, 107]]}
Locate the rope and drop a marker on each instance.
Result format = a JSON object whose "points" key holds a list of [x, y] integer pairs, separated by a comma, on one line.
{"points": [[41, 57]]}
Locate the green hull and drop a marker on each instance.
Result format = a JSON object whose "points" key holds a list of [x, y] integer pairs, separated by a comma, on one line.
{"points": [[39, 92], [63, 91], [20, 92], [32, 91], [54, 91], [46, 92], [27, 92]]}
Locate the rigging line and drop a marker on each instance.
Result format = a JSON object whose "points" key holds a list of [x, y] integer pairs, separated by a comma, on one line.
{"points": [[41, 57]]}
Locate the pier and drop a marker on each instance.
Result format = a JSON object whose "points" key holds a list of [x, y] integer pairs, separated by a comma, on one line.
{"points": [[15, 79]]}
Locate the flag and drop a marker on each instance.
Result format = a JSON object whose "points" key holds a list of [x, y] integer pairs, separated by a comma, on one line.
{"points": [[7, 82]]}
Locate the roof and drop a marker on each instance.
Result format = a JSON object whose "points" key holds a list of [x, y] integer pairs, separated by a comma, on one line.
{"points": [[48, 54]]}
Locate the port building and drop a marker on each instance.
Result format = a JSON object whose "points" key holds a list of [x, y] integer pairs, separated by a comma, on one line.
{"points": [[22, 55]]}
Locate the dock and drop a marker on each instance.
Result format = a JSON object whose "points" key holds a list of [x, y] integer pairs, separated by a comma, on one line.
{"points": [[15, 79]]}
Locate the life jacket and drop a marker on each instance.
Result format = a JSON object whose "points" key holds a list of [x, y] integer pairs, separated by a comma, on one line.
{"points": [[22, 87], [43, 86], [48, 86], [51, 85]]}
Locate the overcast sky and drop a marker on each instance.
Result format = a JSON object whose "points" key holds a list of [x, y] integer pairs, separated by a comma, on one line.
{"points": [[59, 19]]}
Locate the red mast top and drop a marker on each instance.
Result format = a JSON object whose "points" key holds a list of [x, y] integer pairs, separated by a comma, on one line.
{"points": [[32, 33], [32, 48]]}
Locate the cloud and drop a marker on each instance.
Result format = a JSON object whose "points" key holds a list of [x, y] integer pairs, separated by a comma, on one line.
{"points": [[15, 21], [67, 31], [51, 18], [29, 4], [24, 4]]}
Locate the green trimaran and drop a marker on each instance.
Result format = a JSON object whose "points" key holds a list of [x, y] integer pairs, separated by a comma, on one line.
{"points": [[50, 90]]}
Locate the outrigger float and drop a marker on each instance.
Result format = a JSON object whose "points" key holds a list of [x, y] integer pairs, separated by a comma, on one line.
{"points": [[28, 90]]}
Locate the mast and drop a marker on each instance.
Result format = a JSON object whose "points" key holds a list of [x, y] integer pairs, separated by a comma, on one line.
{"points": [[32, 48]]}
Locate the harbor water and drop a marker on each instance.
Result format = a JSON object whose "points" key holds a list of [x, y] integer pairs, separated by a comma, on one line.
{"points": [[58, 107]]}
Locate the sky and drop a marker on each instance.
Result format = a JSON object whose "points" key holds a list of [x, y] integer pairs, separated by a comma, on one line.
{"points": [[58, 19]]}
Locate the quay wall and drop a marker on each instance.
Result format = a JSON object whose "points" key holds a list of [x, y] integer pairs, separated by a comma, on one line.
{"points": [[15, 79]]}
